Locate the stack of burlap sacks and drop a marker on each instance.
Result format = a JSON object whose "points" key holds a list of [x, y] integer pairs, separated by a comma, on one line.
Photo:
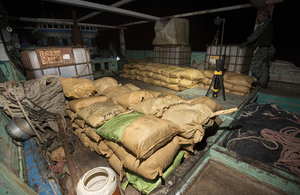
{"points": [[140, 132], [182, 78], [173, 77], [234, 82]]}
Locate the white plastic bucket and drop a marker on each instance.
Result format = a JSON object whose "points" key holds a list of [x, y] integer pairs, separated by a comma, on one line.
{"points": [[100, 180]]}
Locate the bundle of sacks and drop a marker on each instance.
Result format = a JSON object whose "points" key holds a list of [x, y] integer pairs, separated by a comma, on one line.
{"points": [[234, 82], [140, 132], [173, 77]]}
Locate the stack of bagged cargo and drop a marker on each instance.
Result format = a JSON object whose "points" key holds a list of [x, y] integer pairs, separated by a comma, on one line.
{"points": [[144, 134], [234, 82], [172, 77]]}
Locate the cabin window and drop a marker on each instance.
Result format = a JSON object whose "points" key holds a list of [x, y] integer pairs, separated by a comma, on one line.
{"points": [[106, 65], [85, 41], [93, 41], [97, 67], [53, 41], [65, 42]]}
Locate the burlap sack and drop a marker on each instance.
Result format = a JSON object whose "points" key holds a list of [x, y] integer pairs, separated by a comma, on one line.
{"points": [[176, 74], [132, 87], [240, 88], [138, 72], [154, 93], [208, 73], [240, 79], [165, 79], [192, 74], [132, 76], [173, 96], [214, 106], [157, 76], [174, 87], [81, 123], [104, 83], [202, 85], [125, 75], [206, 81], [138, 77], [104, 150], [147, 134], [129, 99], [58, 154], [132, 71], [70, 114], [141, 67], [82, 137], [156, 82], [78, 104], [187, 83], [114, 128], [116, 164], [149, 74], [190, 118], [94, 147], [164, 84], [155, 164], [97, 113], [156, 67], [127, 71], [113, 92], [90, 133], [142, 73], [148, 80], [77, 88], [184, 88], [128, 66], [166, 71], [155, 106], [174, 80], [75, 126]]}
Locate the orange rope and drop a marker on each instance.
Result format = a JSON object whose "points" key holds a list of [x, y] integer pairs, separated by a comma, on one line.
{"points": [[290, 154]]}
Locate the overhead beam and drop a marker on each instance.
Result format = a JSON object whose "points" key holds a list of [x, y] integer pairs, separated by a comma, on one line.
{"points": [[58, 21], [95, 6], [117, 4], [206, 12]]}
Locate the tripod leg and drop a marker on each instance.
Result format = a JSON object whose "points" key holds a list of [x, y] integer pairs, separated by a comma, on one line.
{"points": [[222, 87], [212, 82], [216, 87]]}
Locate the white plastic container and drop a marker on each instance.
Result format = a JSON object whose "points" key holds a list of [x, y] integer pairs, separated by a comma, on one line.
{"points": [[100, 180], [172, 55], [64, 71], [236, 59]]}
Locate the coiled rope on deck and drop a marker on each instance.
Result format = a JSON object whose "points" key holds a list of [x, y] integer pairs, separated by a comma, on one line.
{"points": [[41, 99], [290, 154]]}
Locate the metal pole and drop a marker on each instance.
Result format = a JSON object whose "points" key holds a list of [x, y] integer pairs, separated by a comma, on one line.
{"points": [[222, 38], [70, 162]]}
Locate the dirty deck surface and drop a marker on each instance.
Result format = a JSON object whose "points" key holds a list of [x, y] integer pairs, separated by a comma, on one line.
{"points": [[218, 179]]}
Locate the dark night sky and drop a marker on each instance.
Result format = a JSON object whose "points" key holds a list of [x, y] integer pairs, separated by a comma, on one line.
{"points": [[238, 26]]}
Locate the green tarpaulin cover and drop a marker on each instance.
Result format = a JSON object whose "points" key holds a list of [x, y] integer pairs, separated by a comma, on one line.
{"points": [[145, 186], [114, 127]]}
